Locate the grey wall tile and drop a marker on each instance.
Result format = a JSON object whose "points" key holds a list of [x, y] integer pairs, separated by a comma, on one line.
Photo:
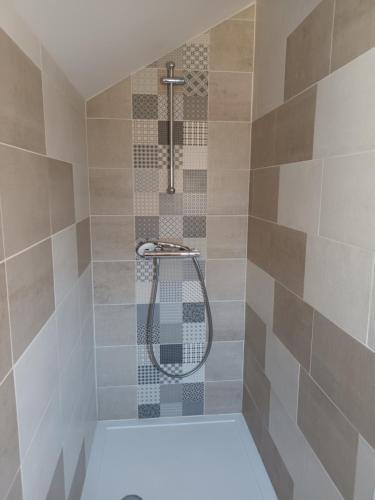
{"points": [[9, 452], [354, 30], [265, 193], [263, 140], [111, 191], [117, 402], [228, 145], [61, 194], [21, 100], [112, 103], [29, 272], [83, 244], [278, 250], [228, 320], [226, 279], [109, 143], [5, 346], [228, 192], [229, 96], [115, 325], [255, 337], [258, 386], [76, 488], [116, 366], [364, 478], [225, 361], [330, 435], [292, 323], [308, 50], [226, 237], [113, 238], [114, 282], [223, 397], [15, 493], [57, 487], [231, 46], [345, 369]]}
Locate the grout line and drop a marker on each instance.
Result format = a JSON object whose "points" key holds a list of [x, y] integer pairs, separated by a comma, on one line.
{"points": [[370, 305], [323, 168], [332, 33]]}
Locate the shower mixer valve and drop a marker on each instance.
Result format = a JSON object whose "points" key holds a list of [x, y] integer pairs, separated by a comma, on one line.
{"points": [[161, 249]]}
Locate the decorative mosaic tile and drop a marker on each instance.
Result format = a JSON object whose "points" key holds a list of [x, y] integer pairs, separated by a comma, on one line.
{"points": [[145, 107], [170, 409], [194, 204], [147, 227], [189, 271], [143, 357], [178, 128], [171, 393], [195, 157], [172, 271], [149, 411], [171, 333], [170, 313], [170, 227], [175, 55], [148, 374], [201, 39], [143, 294], [146, 180], [145, 81], [191, 291], [193, 332], [145, 156], [163, 107], [146, 203], [196, 377], [163, 156], [193, 312], [148, 394], [193, 392], [194, 226], [170, 204], [195, 133], [195, 56], [170, 291], [190, 408], [193, 353], [142, 311], [163, 180], [195, 181], [195, 107], [145, 132], [144, 270], [175, 369], [196, 83]]}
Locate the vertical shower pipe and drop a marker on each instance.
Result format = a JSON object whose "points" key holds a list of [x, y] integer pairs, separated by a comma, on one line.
{"points": [[171, 80]]}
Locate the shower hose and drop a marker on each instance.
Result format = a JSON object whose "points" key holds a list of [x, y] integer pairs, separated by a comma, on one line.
{"points": [[150, 321]]}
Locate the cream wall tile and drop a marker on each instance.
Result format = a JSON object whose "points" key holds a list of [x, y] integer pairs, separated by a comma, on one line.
{"points": [[226, 279], [112, 103], [282, 370], [39, 364], [117, 402], [115, 325], [299, 195], [68, 325], [348, 203], [223, 397], [111, 191], [61, 193], [228, 145], [65, 265], [116, 366], [231, 46], [114, 282], [83, 245], [113, 238], [337, 283], [109, 143], [228, 320], [225, 361], [71, 385], [248, 14], [85, 295], [364, 479], [228, 192], [344, 122], [81, 191], [226, 237], [260, 292], [5, 345], [15, 492], [229, 96]]}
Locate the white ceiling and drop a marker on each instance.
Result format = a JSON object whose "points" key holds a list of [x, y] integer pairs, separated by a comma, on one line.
{"points": [[99, 42]]}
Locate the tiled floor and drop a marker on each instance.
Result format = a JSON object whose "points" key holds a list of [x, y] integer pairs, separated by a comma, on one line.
{"points": [[184, 458]]}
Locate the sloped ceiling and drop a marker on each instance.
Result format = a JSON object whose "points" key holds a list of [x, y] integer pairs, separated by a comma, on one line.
{"points": [[99, 42]]}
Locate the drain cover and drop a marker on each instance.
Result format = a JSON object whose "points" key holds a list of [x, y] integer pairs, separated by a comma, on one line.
{"points": [[132, 497]]}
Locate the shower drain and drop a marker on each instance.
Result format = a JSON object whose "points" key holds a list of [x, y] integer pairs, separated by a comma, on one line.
{"points": [[132, 497]]}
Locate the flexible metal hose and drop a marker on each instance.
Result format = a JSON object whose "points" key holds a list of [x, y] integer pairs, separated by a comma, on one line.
{"points": [[150, 321]]}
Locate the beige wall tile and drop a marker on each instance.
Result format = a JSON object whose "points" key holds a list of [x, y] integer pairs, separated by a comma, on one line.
{"points": [[226, 237], [113, 238], [282, 370], [114, 282], [65, 262], [83, 245], [31, 298], [260, 292], [258, 386], [263, 141], [348, 205], [228, 320], [117, 402], [292, 323], [330, 435], [24, 196], [255, 337], [115, 325], [311, 480], [9, 453], [345, 369], [229, 96], [226, 279], [116, 366], [228, 192], [248, 14], [300, 187], [337, 283], [223, 397], [344, 121], [295, 128], [111, 192], [353, 32], [81, 192], [61, 194], [308, 50], [265, 191], [21, 101], [231, 46], [109, 143], [279, 251], [112, 103], [5, 347], [2, 256], [225, 361], [364, 478], [228, 145]]}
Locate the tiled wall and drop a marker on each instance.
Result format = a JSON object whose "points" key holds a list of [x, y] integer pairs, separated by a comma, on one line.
{"points": [[47, 382], [128, 160], [309, 394]]}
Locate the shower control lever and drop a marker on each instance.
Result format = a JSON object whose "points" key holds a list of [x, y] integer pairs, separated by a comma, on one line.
{"points": [[161, 249]]}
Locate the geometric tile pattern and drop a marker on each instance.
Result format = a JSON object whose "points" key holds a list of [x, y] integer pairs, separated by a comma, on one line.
{"points": [[179, 323]]}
